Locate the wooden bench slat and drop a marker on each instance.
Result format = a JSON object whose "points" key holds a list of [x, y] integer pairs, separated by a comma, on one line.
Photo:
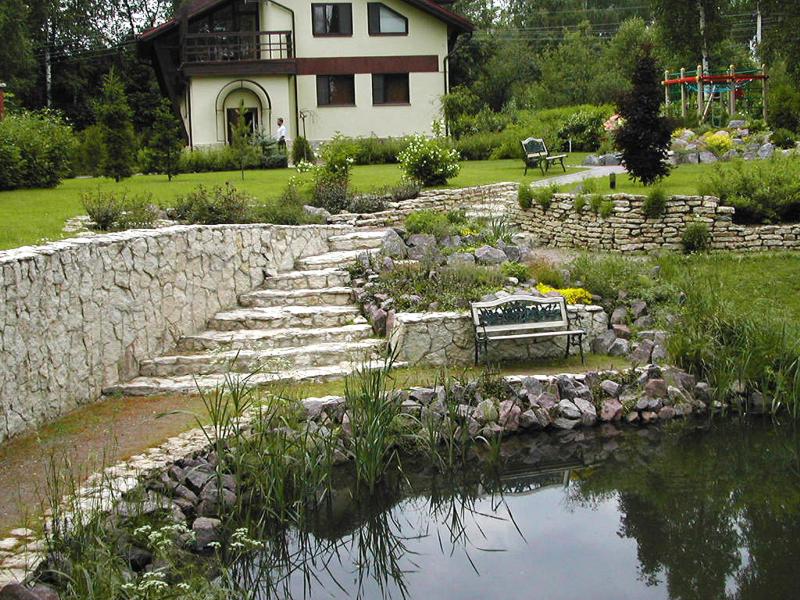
{"points": [[540, 334]]}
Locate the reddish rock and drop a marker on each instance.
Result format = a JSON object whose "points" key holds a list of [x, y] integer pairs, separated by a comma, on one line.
{"points": [[656, 388], [611, 410]]}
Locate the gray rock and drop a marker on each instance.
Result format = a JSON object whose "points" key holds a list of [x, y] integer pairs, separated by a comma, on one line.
{"points": [[529, 420], [15, 591], [545, 400], [450, 241], [666, 413], [611, 410], [702, 391], [766, 151], [422, 240], [638, 308], [393, 245], [424, 253], [644, 321], [609, 160], [656, 388], [568, 409], [659, 354], [422, 395], [736, 124], [485, 412], [206, 531], [730, 155], [513, 253], [620, 347], [316, 211], [44, 592], [487, 255], [198, 476], [509, 415], [707, 158], [460, 258], [491, 430], [642, 352], [591, 161], [610, 388], [602, 343], [676, 395], [621, 330], [562, 423], [619, 316]]}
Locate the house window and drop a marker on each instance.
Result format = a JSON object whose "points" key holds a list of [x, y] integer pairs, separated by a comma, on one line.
{"points": [[332, 19], [336, 90], [390, 88], [385, 21]]}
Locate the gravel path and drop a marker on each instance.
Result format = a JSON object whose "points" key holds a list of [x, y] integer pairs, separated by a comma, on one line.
{"points": [[570, 178]]}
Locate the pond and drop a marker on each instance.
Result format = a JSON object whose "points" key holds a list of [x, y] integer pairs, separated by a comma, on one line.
{"points": [[689, 511]]}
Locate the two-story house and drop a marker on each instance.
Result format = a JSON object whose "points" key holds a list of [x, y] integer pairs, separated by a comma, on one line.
{"points": [[359, 68]]}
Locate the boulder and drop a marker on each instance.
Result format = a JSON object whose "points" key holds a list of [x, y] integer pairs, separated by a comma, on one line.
{"points": [[638, 308], [656, 388], [602, 343], [702, 391], [620, 347], [611, 410], [730, 155], [316, 211], [666, 413], [610, 388], [393, 245], [766, 151], [206, 531], [562, 423], [659, 354], [736, 124], [644, 321], [487, 255], [485, 412], [568, 409], [591, 161], [44, 592], [422, 240], [15, 591], [509, 415], [642, 352], [621, 330], [707, 158], [545, 400], [619, 316], [609, 160], [460, 258]]}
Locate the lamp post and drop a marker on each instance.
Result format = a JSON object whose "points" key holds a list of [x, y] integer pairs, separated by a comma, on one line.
{"points": [[2, 100]]}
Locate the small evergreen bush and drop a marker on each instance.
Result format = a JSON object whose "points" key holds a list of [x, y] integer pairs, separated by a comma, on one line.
{"points": [[525, 196], [655, 203], [302, 151], [696, 237], [783, 138], [606, 208], [429, 161], [114, 210]]}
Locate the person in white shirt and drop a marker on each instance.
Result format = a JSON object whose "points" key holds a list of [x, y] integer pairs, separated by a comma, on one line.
{"points": [[280, 134]]}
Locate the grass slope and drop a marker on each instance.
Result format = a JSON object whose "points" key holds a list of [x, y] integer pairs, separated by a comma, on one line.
{"points": [[682, 180]]}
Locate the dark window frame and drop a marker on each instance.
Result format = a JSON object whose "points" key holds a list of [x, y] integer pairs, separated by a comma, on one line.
{"points": [[384, 75], [316, 33], [374, 21], [238, 11], [329, 104]]}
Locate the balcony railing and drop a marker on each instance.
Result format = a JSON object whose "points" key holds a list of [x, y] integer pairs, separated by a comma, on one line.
{"points": [[226, 46]]}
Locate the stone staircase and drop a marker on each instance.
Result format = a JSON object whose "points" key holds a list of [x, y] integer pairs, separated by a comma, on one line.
{"points": [[302, 325]]}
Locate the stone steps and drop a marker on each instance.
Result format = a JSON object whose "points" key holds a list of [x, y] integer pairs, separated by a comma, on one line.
{"points": [[334, 296], [308, 279], [189, 384], [360, 240], [264, 339], [331, 260], [266, 361], [286, 316]]}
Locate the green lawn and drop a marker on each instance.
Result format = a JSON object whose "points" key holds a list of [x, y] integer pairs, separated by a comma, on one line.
{"points": [[682, 180], [33, 216]]}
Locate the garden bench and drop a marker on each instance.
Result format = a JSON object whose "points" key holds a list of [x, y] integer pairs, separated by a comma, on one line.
{"points": [[523, 316], [537, 155]]}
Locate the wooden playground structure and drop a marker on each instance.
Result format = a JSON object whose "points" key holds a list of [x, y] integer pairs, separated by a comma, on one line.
{"points": [[727, 87]]}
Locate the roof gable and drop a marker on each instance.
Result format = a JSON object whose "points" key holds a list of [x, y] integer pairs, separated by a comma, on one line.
{"points": [[432, 7]]}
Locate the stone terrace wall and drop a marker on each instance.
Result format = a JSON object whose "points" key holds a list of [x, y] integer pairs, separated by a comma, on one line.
{"points": [[627, 229], [448, 338], [78, 315]]}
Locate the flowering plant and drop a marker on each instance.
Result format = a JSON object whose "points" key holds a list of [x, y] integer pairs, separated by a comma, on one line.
{"points": [[429, 161]]}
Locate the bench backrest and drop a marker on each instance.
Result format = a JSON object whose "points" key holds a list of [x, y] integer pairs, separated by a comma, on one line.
{"points": [[520, 312], [535, 147]]}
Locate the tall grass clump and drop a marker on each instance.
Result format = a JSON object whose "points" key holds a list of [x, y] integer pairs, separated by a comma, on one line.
{"points": [[655, 203], [543, 196], [738, 348], [372, 408]]}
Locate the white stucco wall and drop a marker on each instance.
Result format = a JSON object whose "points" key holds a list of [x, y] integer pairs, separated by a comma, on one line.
{"points": [[427, 36]]}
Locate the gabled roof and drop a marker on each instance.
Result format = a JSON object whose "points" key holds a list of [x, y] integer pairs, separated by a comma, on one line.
{"points": [[197, 7]]}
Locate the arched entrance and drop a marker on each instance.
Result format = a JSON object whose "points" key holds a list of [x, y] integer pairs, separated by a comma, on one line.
{"points": [[257, 108]]}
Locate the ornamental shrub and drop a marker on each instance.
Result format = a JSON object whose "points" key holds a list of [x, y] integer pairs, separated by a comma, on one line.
{"points": [[696, 237], [517, 270], [222, 204], [655, 203], [584, 128], [429, 161], [580, 203], [114, 210], [544, 195], [606, 208], [35, 150], [718, 143], [525, 196], [430, 222], [302, 151]]}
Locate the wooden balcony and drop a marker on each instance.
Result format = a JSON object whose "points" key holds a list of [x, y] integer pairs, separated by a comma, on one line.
{"points": [[232, 47]]}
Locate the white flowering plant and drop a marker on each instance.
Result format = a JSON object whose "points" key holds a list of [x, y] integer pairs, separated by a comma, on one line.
{"points": [[429, 161]]}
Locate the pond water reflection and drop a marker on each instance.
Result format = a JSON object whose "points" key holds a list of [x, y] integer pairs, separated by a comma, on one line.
{"points": [[692, 512]]}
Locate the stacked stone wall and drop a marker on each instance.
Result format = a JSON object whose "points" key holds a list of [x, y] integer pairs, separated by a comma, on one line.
{"points": [[79, 315]]}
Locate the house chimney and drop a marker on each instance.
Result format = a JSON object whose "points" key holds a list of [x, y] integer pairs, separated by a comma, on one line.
{"points": [[2, 100]]}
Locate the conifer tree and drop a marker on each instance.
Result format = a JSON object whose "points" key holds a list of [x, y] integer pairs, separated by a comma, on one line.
{"points": [[116, 129], [241, 138], [644, 136], [166, 140]]}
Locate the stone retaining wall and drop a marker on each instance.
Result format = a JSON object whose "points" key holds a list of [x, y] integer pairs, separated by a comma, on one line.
{"points": [[627, 228], [78, 315], [448, 338]]}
